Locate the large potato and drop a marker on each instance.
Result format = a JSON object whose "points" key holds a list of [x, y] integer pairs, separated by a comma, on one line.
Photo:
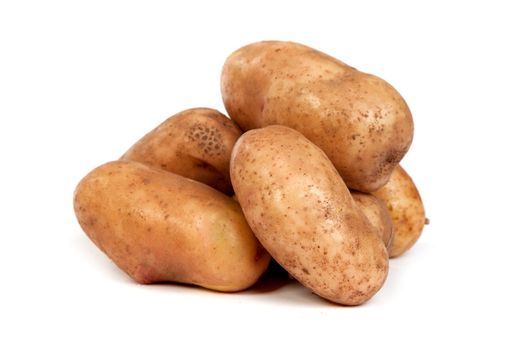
{"points": [[377, 213], [405, 206], [158, 226], [360, 121], [303, 214], [195, 143]]}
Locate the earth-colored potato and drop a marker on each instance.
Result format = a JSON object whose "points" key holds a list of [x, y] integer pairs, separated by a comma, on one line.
{"points": [[377, 213], [195, 143], [302, 212], [406, 209], [161, 227], [360, 121]]}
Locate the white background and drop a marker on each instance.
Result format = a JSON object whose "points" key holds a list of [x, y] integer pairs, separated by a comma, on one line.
{"points": [[80, 82]]}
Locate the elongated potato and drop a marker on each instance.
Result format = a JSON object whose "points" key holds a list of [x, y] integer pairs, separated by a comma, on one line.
{"points": [[377, 213], [360, 121], [195, 143], [158, 226], [303, 214], [405, 206]]}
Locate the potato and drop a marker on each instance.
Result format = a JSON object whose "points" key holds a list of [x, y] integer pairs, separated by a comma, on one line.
{"points": [[405, 206], [195, 143], [360, 121], [377, 213], [161, 227], [303, 214]]}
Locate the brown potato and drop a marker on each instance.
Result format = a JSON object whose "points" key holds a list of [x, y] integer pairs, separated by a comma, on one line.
{"points": [[303, 214], [158, 226], [377, 213], [360, 121], [405, 206], [195, 143]]}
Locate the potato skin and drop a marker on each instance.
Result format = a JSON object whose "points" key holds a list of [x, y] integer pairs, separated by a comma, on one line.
{"points": [[406, 209], [158, 226], [360, 121], [195, 143], [303, 214], [377, 213]]}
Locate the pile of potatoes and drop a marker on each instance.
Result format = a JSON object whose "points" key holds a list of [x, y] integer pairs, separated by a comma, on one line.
{"points": [[306, 172]]}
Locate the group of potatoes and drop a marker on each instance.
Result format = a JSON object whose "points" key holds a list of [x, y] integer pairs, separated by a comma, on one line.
{"points": [[306, 172]]}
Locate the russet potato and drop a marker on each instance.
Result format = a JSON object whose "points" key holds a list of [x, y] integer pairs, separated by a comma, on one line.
{"points": [[377, 213], [303, 214], [195, 143], [359, 120], [406, 209], [161, 227]]}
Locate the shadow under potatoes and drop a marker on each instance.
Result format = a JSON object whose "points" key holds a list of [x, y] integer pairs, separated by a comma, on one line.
{"points": [[274, 278]]}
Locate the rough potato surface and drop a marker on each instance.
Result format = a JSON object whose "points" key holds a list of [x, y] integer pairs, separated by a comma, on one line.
{"points": [[195, 143], [360, 121], [302, 212]]}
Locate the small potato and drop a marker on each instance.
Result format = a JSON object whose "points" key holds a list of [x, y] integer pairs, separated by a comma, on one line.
{"points": [[195, 143], [405, 206], [158, 226], [360, 121], [303, 214], [377, 213]]}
